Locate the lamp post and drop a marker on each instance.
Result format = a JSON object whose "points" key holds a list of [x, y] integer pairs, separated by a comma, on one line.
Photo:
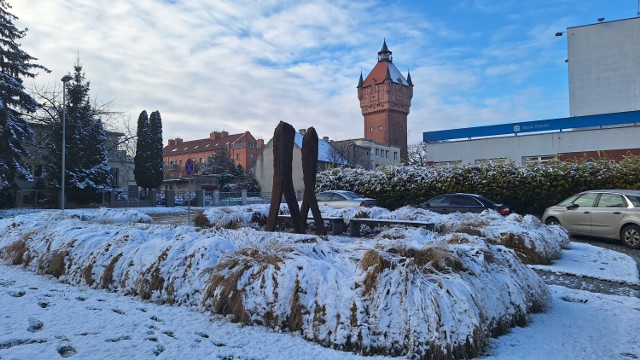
{"points": [[65, 79]]}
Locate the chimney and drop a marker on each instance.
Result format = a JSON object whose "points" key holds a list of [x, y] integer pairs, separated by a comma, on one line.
{"points": [[325, 138], [260, 143], [172, 142], [213, 135], [178, 141], [302, 131], [224, 134]]}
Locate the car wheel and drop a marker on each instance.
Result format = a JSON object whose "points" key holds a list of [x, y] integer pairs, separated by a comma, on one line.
{"points": [[630, 236], [552, 221]]}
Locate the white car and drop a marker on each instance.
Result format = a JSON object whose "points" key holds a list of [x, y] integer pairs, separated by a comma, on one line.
{"points": [[343, 199], [612, 214]]}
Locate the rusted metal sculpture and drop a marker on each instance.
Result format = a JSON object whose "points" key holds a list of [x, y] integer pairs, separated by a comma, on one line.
{"points": [[283, 140], [309, 174]]}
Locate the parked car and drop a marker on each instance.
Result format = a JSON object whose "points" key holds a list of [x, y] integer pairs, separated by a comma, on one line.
{"points": [[343, 199], [612, 214], [449, 203]]}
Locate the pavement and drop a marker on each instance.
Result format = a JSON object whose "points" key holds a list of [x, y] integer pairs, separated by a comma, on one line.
{"points": [[592, 284]]}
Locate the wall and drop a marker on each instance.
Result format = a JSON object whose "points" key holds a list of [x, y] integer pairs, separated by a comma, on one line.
{"points": [[604, 67], [516, 147]]}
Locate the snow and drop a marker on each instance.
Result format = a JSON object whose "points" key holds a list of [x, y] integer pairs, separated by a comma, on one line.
{"points": [[43, 321]]}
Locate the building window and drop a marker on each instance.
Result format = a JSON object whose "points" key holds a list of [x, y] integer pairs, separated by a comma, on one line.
{"points": [[371, 129], [377, 152], [237, 156], [386, 154], [201, 160], [380, 128], [252, 158], [395, 155], [490, 161], [531, 160]]}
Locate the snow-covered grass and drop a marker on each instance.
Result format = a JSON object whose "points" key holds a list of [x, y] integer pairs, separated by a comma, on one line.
{"points": [[400, 292]]}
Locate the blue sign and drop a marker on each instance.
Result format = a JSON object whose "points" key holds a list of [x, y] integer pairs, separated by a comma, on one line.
{"points": [[575, 122], [189, 167]]}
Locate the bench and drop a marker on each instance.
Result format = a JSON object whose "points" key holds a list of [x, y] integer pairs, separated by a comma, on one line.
{"points": [[355, 224], [337, 223]]}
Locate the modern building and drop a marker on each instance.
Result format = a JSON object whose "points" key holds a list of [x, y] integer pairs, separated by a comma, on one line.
{"points": [[604, 67], [592, 136], [385, 98], [604, 94], [243, 148], [328, 157]]}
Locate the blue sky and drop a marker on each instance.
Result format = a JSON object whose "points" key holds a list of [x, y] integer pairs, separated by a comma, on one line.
{"points": [[211, 65]]}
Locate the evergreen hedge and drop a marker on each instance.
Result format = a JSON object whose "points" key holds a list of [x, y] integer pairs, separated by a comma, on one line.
{"points": [[526, 189]]}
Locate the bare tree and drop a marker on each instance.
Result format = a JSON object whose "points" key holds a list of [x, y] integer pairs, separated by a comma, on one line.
{"points": [[417, 154]]}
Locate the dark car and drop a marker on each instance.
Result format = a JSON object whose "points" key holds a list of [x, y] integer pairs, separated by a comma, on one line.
{"points": [[449, 203]]}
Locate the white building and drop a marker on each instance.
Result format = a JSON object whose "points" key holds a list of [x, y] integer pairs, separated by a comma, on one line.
{"points": [[604, 67], [604, 94]]}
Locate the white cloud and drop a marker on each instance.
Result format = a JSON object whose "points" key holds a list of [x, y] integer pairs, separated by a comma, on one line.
{"points": [[211, 65]]}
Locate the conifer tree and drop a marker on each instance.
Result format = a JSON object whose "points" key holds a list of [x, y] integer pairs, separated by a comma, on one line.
{"points": [[156, 162], [14, 101], [88, 173], [143, 150]]}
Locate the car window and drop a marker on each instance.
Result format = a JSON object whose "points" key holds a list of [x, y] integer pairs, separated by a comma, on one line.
{"points": [[465, 201], [569, 200], [635, 200], [338, 197], [442, 200], [611, 200], [586, 200], [323, 197]]}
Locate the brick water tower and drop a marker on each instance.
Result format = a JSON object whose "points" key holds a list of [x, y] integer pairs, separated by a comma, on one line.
{"points": [[385, 98]]}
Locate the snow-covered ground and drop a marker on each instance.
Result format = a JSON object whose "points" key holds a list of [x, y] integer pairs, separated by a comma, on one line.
{"points": [[44, 318]]}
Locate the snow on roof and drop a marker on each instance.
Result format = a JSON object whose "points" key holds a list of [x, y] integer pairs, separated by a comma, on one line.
{"points": [[326, 152]]}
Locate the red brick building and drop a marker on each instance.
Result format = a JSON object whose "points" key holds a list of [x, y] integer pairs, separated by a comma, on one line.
{"points": [[385, 98], [243, 149]]}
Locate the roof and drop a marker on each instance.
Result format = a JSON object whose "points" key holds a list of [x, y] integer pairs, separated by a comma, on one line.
{"points": [[201, 145], [326, 152], [384, 70]]}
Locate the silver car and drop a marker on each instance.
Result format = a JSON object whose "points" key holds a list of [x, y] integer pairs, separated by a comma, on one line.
{"points": [[342, 199], [612, 214]]}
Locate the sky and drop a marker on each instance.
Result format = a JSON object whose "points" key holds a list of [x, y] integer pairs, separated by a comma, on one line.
{"points": [[211, 65], [49, 318]]}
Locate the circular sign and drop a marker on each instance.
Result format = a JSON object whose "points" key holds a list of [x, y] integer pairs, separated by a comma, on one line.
{"points": [[189, 167]]}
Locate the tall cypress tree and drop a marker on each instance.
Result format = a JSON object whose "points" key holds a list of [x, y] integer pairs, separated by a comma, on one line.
{"points": [[143, 149], [14, 130], [88, 173], [156, 162]]}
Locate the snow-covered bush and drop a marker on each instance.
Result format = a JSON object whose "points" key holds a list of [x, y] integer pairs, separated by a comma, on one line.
{"points": [[526, 189], [413, 292]]}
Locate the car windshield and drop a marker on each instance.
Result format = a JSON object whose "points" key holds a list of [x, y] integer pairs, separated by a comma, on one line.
{"points": [[568, 201], [349, 195]]}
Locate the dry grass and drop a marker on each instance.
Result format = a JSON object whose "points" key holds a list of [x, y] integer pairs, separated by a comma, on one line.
{"points": [[146, 286], [361, 215], [259, 219], [374, 264], [296, 312], [107, 275], [55, 266], [201, 221], [474, 229], [87, 274], [528, 254], [222, 287], [15, 252], [432, 259]]}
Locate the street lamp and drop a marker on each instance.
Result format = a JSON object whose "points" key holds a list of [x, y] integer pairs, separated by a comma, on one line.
{"points": [[65, 79]]}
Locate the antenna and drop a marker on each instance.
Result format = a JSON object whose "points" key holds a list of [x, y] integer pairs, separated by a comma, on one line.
{"points": [[638, 11]]}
